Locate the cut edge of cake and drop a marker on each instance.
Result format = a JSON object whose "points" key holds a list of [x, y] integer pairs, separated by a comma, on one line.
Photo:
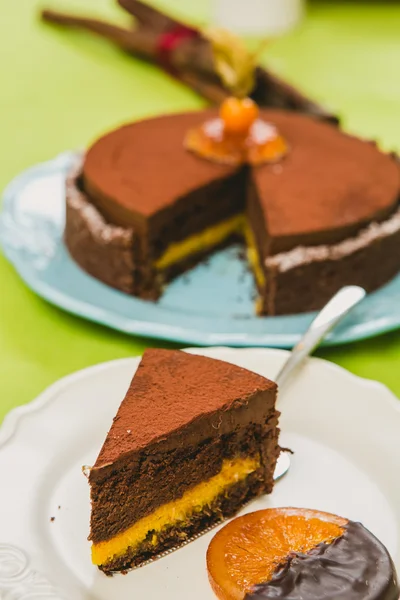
{"points": [[151, 490], [104, 251], [131, 266]]}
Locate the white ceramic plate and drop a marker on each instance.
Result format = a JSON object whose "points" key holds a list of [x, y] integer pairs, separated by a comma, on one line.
{"points": [[345, 432]]}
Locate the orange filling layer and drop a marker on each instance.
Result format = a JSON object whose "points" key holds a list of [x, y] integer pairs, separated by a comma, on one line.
{"points": [[176, 513]]}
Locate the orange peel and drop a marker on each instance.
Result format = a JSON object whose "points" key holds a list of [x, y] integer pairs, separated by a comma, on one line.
{"points": [[249, 549]]}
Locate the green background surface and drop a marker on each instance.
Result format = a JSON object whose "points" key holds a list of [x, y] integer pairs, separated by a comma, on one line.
{"points": [[59, 90]]}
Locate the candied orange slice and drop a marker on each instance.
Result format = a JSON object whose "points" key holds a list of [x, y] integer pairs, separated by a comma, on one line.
{"points": [[249, 549], [237, 136]]}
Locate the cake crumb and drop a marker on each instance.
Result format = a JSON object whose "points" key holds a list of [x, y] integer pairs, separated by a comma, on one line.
{"points": [[52, 519], [217, 425], [241, 253], [86, 471], [59, 507]]}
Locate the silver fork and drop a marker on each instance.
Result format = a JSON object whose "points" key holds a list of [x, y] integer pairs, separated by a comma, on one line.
{"points": [[333, 312]]}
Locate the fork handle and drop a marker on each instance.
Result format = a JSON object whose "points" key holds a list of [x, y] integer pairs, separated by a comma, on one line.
{"points": [[333, 312]]}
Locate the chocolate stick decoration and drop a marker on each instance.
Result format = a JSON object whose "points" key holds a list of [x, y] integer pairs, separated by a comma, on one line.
{"points": [[142, 41], [148, 15], [139, 42], [187, 55]]}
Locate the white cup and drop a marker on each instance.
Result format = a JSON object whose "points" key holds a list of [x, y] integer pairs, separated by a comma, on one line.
{"points": [[258, 17]]}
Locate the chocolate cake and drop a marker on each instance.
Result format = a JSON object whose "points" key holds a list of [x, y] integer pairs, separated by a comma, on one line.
{"points": [[142, 209], [193, 440]]}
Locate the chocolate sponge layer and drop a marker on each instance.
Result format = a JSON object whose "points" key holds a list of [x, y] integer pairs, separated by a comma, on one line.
{"points": [[161, 478], [304, 279]]}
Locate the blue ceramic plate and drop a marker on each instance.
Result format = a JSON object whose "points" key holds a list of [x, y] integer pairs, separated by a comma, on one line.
{"points": [[211, 305]]}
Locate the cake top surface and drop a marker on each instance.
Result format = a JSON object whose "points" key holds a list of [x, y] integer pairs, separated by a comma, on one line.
{"points": [[171, 389], [329, 181], [143, 167]]}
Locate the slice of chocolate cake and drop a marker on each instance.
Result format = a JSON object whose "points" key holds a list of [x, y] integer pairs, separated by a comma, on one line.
{"points": [[179, 209], [194, 439]]}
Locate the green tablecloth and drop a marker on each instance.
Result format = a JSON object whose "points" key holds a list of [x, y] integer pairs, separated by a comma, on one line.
{"points": [[59, 90]]}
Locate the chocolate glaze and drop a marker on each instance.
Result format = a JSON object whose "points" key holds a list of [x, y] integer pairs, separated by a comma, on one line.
{"points": [[356, 566]]}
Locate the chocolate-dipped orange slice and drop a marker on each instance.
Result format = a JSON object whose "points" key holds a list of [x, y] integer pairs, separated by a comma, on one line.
{"points": [[299, 554]]}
